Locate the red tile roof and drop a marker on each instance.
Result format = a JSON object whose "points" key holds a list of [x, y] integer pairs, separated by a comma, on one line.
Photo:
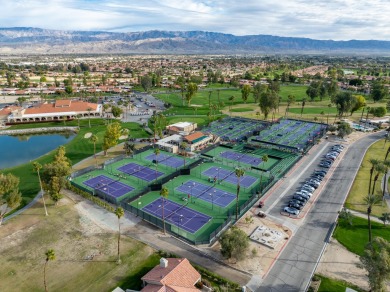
{"points": [[179, 272], [194, 136], [63, 103], [7, 110], [75, 106]]}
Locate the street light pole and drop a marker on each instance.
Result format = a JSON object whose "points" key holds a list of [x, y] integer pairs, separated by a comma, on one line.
{"points": [[139, 207], [212, 201]]}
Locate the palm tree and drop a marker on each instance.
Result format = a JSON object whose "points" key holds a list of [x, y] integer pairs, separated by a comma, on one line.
{"points": [[386, 165], [374, 163], [156, 152], [37, 166], [89, 116], [327, 117], [93, 139], [78, 116], [370, 201], [183, 147], [210, 98], [239, 173], [380, 168], [264, 159], [50, 256], [303, 105], [231, 102], [119, 212], [387, 152], [164, 192]]}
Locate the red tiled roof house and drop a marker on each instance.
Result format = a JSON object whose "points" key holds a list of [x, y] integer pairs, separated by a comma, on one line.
{"points": [[173, 275]]}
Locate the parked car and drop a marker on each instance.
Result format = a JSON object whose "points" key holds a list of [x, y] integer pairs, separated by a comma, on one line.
{"points": [[291, 211], [299, 198], [317, 177], [308, 187], [324, 172], [312, 184], [293, 201], [303, 195], [324, 165], [295, 206], [306, 192]]}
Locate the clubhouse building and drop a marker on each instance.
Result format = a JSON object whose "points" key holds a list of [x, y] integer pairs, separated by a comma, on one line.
{"points": [[59, 110]]}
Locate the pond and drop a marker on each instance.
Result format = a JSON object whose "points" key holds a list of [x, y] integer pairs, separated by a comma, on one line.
{"points": [[17, 150]]}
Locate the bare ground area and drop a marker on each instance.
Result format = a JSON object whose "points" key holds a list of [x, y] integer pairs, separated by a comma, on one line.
{"points": [[339, 263], [85, 251], [260, 257]]}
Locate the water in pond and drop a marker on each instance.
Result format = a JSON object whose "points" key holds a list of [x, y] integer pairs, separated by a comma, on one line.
{"points": [[17, 150]]}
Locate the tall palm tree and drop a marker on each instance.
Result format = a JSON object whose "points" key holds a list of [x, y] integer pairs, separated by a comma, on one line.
{"points": [[303, 105], [374, 163], [37, 166], [119, 212], [89, 116], [387, 152], [156, 152], [380, 168], [164, 192], [371, 200], [50, 256], [386, 165], [94, 139], [327, 117], [183, 147], [210, 98], [239, 173], [78, 116], [231, 102], [264, 159]]}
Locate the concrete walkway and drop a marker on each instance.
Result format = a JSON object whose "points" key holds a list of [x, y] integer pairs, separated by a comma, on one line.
{"points": [[364, 215]]}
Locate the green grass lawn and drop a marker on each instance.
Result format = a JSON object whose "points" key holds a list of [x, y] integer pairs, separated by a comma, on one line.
{"points": [[243, 109], [299, 91], [355, 237], [76, 150], [333, 285], [360, 185]]}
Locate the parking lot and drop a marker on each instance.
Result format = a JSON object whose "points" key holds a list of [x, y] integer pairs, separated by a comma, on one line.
{"points": [[280, 195]]}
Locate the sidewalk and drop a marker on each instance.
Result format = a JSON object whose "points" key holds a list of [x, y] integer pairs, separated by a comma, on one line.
{"points": [[364, 215]]}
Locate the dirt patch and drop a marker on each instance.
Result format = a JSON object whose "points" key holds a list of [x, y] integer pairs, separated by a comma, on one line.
{"points": [[123, 137], [339, 263], [86, 253], [259, 258]]}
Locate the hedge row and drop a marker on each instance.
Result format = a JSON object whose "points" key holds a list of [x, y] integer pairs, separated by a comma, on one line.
{"points": [[92, 198]]}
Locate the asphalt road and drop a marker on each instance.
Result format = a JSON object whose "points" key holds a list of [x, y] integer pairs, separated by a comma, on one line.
{"points": [[298, 260]]}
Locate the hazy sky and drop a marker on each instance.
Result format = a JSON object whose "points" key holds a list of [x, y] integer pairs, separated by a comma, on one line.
{"points": [[319, 19]]}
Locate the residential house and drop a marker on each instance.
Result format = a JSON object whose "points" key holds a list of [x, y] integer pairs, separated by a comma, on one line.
{"points": [[173, 275]]}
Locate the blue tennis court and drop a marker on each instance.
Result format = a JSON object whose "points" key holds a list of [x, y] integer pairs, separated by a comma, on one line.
{"points": [[229, 176], [244, 158], [179, 215], [206, 193], [140, 171], [169, 160], [108, 186]]}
